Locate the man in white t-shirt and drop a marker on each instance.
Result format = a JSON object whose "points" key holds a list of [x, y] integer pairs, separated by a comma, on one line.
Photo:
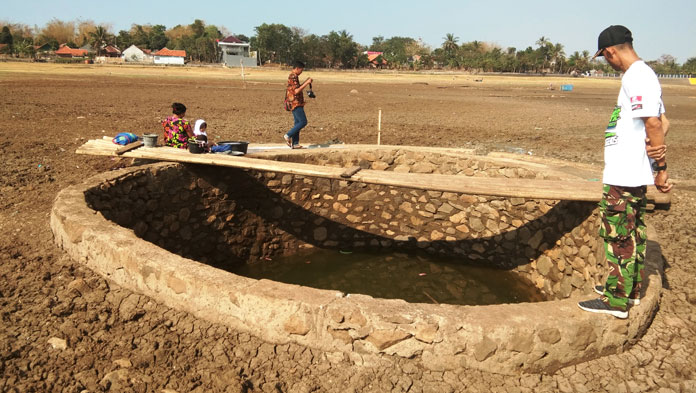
{"points": [[627, 172]]}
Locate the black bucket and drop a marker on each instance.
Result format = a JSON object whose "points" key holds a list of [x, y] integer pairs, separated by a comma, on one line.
{"points": [[195, 148], [235, 145]]}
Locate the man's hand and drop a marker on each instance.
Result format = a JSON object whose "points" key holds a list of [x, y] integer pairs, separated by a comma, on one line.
{"points": [[657, 153], [662, 182]]}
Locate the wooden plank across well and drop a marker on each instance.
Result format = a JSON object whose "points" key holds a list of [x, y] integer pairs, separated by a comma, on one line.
{"points": [[574, 190], [128, 147], [179, 155]]}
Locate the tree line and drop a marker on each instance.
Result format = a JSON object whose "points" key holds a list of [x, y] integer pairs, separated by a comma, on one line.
{"points": [[198, 39], [280, 44]]}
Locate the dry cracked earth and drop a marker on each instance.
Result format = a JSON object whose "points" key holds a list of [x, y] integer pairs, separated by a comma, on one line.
{"points": [[63, 328]]}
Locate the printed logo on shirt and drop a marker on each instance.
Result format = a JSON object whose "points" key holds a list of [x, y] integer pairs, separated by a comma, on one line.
{"points": [[610, 139], [615, 116], [636, 103]]}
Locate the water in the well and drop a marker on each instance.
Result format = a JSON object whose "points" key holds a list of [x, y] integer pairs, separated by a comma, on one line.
{"points": [[414, 278]]}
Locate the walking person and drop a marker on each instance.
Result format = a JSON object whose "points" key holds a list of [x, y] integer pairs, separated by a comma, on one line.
{"points": [[295, 95], [627, 172]]}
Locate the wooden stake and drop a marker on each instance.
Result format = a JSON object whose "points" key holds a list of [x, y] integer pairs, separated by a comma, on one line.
{"points": [[241, 62], [379, 128]]}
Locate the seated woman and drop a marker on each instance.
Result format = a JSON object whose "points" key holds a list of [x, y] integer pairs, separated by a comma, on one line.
{"points": [[177, 130]]}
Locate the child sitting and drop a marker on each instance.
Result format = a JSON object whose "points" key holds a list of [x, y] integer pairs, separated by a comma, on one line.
{"points": [[201, 135]]}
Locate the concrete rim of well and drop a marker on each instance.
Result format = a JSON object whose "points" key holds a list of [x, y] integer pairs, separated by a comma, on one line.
{"points": [[508, 338]]}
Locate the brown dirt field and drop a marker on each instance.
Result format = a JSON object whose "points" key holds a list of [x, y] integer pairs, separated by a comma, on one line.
{"points": [[120, 341]]}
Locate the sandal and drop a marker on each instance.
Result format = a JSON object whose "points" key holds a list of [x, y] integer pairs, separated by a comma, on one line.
{"points": [[298, 147], [288, 141]]}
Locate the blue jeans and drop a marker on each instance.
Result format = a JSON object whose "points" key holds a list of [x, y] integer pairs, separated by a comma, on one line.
{"points": [[300, 122]]}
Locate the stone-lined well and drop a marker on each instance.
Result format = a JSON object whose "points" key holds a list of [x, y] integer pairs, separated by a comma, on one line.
{"points": [[152, 223]]}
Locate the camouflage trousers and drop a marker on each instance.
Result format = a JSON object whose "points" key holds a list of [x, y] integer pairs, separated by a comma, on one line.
{"points": [[622, 214]]}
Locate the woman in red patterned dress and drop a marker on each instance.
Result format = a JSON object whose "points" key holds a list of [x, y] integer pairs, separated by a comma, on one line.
{"points": [[177, 130]]}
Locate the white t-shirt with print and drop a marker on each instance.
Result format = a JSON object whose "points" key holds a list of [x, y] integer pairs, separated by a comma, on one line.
{"points": [[626, 162]]}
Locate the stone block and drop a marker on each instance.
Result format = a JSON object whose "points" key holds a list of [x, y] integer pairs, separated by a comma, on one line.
{"points": [[458, 218], [298, 324], [320, 234], [583, 337], [475, 224], [485, 349], [577, 280], [379, 165], [492, 225], [522, 342], [369, 195], [353, 218], [436, 235], [549, 335], [535, 240], [337, 206], [341, 335], [406, 207], [58, 343], [286, 180], [462, 228], [423, 167], [517, 201], [427, 214], [544, 265], [383, 339]]}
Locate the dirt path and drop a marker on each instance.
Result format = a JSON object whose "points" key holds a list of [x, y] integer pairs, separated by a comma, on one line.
{"points": [[65, 329]]}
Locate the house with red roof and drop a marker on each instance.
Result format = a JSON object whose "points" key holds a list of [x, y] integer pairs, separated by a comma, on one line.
{"points": [[111, 51], [236, 53], [169, 56], [376, 59], [66, 51]]}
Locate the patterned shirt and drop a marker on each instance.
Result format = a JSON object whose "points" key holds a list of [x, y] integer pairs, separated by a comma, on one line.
{"points": [[294, 83], [176, 132]]}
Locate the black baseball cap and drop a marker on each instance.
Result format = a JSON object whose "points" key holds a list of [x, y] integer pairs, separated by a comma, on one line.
{"points": [[613, 35]]}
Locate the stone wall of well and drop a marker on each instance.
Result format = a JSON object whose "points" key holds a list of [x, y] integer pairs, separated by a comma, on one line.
{"points": [[224, 217], [506, 338]]}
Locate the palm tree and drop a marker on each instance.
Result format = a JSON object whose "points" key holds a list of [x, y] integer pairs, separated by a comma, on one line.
{"points": [[450, 44], [450, 48], [99, 38], [558, 55], [544, 44], [580, 61], [542, 41]]}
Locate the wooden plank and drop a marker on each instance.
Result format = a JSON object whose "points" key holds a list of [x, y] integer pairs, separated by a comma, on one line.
{"points": [[106, 147], [180, 155], [128, 147], [351, 171], [575, 190], [520, 188], [523, 188]]}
